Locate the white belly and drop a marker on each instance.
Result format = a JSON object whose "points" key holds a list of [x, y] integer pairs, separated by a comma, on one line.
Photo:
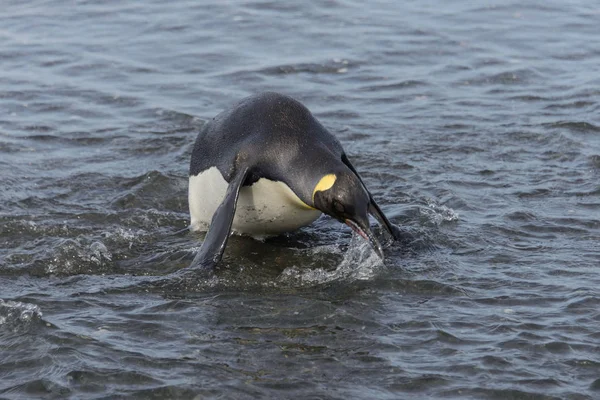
{"points": [[263, 209]]}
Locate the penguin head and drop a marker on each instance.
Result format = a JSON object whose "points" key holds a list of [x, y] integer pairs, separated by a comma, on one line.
{"points": [[344, 197]]}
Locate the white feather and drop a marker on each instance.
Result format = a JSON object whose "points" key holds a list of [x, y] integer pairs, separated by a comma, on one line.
{"points": [[263, 209]]}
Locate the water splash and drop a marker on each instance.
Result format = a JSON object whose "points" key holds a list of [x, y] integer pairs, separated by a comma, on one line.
{"points": [[12, 312], [359, 262], [73, 256], [439, 214]]}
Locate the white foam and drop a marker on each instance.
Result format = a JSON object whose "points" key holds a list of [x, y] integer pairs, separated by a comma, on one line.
{"points": [[74, 256], [13, 311], [439, 213], [360, 262], [98, 251]]}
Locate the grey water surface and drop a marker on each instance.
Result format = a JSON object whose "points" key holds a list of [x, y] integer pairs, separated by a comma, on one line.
{"points": [[475, 124]]}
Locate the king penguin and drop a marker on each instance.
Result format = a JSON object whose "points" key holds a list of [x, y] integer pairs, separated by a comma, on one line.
{"points": [[267, 166]]}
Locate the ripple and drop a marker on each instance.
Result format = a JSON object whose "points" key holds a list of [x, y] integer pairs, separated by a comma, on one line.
{"points": [[152, 189], [330, 67], [595, 385], [499, 394], [418, 384], [574, 126], [514, 77], [40, 387], [494, 361], [394, 86], [558, 347], [570, 105]]}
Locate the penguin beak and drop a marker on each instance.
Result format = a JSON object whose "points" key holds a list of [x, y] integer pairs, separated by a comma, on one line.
{"points": [[365, 232], [375, 211]]}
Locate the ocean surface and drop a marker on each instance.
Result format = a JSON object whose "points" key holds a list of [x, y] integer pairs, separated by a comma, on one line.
{"points": [[476, 125]]}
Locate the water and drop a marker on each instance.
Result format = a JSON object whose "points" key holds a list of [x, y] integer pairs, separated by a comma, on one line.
{"points": [[476, 126]]}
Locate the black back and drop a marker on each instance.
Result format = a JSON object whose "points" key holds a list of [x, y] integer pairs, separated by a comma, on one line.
{"points": [[273, 135]]}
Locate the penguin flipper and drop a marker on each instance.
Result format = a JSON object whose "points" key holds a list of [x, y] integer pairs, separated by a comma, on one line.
{"points": [[374, 208], [215, 241]]}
